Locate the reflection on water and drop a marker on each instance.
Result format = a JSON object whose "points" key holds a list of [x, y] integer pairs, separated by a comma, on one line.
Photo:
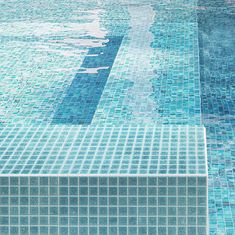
{"points": [[140, 74], [155, 77]]}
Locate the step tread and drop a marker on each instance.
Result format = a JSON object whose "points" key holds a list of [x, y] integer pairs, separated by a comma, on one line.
{"points": [[127, 149]]}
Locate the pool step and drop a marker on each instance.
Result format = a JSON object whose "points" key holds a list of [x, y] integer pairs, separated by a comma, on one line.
{"points": [[132, 179]]}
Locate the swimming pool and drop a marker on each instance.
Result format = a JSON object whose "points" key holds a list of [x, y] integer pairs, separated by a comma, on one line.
{"points": [[89, 86]]}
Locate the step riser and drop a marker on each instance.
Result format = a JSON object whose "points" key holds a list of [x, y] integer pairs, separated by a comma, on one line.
{"points": [[103, 205]]}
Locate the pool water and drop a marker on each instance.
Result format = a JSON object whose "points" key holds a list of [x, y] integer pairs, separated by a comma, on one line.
{"points": [[217, 55], [54, 55], [69, 67]]}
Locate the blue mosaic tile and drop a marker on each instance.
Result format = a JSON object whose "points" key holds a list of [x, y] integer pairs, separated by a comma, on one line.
{"points": [[135, 149], [103, 205], [175, 65], [149, 86], [217, 56], [83, 95], [144, 85]]}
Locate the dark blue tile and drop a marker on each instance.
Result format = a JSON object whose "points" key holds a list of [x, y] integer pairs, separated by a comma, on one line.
{"points": [[83, 95]]}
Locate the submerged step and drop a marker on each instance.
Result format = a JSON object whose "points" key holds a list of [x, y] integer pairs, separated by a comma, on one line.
{"points": [[128, 149], [103, 180]]}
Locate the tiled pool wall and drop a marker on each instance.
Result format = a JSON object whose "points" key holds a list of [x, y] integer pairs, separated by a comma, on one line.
{"points": [[103, 205], [217, 55]]}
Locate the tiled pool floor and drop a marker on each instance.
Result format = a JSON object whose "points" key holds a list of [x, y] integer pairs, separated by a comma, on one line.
{"points": [[153, 79], [110, 75], [217, 56]]}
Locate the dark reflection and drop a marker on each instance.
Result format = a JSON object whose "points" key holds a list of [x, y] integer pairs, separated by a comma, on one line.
{"points": [[83, 95]]}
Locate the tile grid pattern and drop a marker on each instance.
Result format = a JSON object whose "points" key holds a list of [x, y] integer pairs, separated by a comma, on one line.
{"points": [[169, 92], [103, 205], [217, 56], [102, 150]]}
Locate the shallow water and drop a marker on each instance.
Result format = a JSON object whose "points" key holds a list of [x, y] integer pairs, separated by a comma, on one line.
{"points": [[124, 62]]}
